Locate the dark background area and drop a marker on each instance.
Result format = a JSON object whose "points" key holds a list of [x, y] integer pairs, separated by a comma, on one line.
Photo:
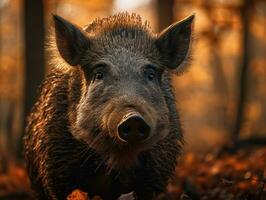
{"points": [[221, 97]]}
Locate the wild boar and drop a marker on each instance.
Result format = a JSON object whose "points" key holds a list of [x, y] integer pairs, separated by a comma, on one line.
{"points": [[106, 120]]}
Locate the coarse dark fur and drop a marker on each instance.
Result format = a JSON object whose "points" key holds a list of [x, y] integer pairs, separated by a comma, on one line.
{"points": [[71, 140]]}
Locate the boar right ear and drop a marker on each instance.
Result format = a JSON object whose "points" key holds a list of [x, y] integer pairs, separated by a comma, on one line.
{"points": [[71, 40], [174, 42]]}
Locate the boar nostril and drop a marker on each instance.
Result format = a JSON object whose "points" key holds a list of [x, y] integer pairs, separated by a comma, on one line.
{"points": [[126, 130], [133, 128], [143, 130]]}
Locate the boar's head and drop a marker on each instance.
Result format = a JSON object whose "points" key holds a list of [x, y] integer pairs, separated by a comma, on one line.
{"points": [[122, 110]]}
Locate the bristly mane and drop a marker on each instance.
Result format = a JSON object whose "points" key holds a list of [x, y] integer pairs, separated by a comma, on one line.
{"points": [[121, 32], [122, 20]]}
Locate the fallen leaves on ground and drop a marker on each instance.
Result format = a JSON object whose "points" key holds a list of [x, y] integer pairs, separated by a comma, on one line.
{"points": [[228, 177], [78, 195], [14, 184], [237, 176]]}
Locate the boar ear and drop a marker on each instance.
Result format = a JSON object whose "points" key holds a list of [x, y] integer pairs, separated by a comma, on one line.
{"points": [[174, 42], [71, 41]]}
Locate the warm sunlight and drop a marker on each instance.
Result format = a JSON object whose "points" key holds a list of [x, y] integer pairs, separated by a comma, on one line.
{"points": [[132, 99]]}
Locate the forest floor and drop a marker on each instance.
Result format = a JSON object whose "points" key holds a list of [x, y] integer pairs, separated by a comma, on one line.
{"points": [[240, 176]]}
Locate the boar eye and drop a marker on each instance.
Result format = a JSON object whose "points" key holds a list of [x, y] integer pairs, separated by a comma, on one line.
{"points": [[150, 73], [98, 76], [151, 76], [99, 71]]}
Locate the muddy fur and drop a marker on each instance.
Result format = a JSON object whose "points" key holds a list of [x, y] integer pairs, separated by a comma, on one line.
{"points": [[70, 139]]}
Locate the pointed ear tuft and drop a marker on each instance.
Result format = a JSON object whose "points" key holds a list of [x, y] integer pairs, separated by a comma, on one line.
{"points": [[174, 42], [71, 40]]}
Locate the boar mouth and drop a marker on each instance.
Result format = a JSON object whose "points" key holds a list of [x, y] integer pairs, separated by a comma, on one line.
{"points": [[123, 159]]}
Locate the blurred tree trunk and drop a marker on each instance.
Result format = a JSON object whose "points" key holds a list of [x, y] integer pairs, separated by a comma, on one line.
{"points": [[34, 52], [165, 12], [220, 83], [243, 73], [6, 119]]}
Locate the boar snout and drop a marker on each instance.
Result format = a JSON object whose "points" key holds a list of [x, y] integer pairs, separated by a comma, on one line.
{"points": [[133, 128]]}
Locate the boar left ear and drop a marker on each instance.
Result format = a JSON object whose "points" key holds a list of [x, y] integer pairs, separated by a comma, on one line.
{"points": [[71, 40], [174, 42]]}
